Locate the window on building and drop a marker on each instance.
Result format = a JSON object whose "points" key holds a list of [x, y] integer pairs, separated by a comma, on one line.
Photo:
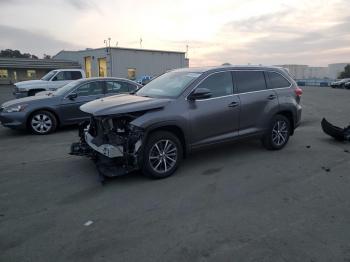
{"points": [[31, 74], [277, 81], [88, 62], [219, 84], [90, 89], [102, 67], [132, 73], [4, 74], [250, 81]]}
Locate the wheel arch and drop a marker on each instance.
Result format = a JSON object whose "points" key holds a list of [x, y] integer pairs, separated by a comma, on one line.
{"points": [[288, 114], [35, 90], [172, 128]]}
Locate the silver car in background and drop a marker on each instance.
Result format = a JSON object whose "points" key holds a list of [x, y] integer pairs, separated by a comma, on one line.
{"points": [[43, 114]]}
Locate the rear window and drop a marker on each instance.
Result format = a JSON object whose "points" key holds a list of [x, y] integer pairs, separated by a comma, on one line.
{"points": [[277, 81], [75, 75], [72, 75], [250, 81]]}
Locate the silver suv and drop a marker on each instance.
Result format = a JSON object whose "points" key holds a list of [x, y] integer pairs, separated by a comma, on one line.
{"points": [[187, 109]]}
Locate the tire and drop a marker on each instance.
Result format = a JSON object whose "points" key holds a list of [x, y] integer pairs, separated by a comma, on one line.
{"points": [[155, 163], [278, 133], [42, 122]]}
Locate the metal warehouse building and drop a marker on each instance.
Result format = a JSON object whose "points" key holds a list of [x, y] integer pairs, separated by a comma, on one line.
{"points": [[13, 70], [125, 62]]}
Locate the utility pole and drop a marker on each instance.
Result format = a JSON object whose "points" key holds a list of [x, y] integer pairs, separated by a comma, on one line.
{"points": [[140, 42]]}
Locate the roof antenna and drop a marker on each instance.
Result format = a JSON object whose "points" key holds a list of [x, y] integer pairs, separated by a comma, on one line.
{"points": [[140, 42]]}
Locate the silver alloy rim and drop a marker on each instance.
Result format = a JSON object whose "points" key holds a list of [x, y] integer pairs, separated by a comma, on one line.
{"points": [[41, 123], [163, 156], [280, 133]]}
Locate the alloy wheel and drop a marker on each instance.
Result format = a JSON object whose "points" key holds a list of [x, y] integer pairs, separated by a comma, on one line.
{"points": [[163, 156], [41, 123], [280, 133]]}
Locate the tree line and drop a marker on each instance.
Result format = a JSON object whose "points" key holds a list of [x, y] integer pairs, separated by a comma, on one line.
{"points": [[9, 53]]}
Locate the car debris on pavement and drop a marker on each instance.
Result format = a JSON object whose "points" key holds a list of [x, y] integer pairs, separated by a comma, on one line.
{"points": [[340, 134]]}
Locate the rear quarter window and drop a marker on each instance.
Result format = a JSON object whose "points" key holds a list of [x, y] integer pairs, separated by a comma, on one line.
{"points": [[250, 81], [76, 75], [277, 80]]}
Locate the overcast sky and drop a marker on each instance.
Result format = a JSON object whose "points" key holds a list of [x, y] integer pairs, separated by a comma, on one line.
{"points": [[268, 32]]}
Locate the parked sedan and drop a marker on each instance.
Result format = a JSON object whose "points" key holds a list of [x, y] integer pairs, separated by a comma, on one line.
{"points": [[340, 83], [347, 85], [43, 114]]}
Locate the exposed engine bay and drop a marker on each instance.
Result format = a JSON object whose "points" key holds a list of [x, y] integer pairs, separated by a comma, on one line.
{"points": [[112, 142], [338, 133]]}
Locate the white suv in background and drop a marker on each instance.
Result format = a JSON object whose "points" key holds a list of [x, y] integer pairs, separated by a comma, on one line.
{"points": [[49, 82]]}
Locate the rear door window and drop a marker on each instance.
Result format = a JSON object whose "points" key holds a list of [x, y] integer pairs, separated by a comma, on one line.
{"points": [[90, 89], [75, 75], [118, 87], [277, 81], [219, 84], [250, 81]]}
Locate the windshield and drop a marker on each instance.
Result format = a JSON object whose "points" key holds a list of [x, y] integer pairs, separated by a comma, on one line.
{"points": [[48, 76], [168, 85], [66, 88]]}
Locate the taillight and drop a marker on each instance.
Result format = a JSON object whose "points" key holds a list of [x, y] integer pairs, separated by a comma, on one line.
{"points": [[298, 91]]}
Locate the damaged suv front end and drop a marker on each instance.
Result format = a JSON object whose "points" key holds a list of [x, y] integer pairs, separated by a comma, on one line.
{"points": [[112, 142], [110, 138]]}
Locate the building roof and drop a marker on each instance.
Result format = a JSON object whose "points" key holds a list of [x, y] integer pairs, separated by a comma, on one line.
{"points": [[29, 63], [122, 48]]}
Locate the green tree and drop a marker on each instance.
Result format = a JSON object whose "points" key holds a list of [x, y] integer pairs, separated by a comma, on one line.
{"points": [[16, 54], [345, 73]]}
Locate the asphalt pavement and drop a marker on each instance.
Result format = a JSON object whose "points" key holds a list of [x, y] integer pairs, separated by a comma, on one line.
{"points": [[237, 202]]}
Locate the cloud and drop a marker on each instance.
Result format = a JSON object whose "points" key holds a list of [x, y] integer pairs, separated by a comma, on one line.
{"points": [[36, 43], [83, 5], [285, 36]]}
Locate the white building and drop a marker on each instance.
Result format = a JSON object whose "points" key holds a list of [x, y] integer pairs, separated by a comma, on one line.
{"points": [[309, 72], [125, 62], [335, 69]]}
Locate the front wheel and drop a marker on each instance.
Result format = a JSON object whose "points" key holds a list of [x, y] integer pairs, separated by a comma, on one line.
{"points": [[278, 133], [42, 123], [162, 154]]}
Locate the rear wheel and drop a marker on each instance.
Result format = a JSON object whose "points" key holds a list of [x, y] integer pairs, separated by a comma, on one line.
{"points": [[162, 154], [42, 122], [278, 134]]}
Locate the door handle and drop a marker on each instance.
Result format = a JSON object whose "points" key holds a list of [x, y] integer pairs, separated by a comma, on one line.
{"points": [[233, 104], [271, 97]]}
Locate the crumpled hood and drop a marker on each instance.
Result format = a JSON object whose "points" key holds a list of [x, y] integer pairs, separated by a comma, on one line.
{"points": [[24, 84], [120, 104]]}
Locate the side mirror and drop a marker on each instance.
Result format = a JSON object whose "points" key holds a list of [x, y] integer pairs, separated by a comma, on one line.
{"points": [[72, 96], [200, 93]]}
